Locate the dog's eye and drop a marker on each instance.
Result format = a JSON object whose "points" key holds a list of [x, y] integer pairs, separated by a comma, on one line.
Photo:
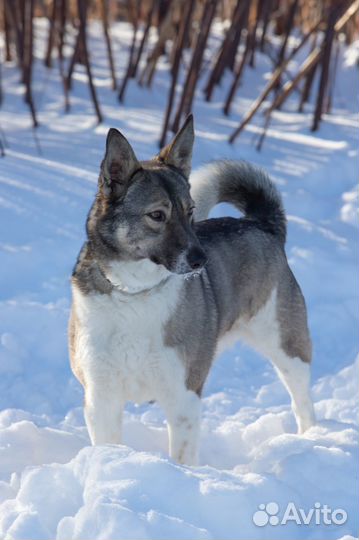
{"points": [[157, 215], [190, 212]]}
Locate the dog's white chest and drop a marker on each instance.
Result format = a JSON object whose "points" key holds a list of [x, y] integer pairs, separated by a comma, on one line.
{"points": [[124, 334]]}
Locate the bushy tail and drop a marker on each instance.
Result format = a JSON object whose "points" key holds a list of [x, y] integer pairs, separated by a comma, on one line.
{"points": [[245, 186]]}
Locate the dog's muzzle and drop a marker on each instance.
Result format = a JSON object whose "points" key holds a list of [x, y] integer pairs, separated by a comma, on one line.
{"points": [[196, 258]]}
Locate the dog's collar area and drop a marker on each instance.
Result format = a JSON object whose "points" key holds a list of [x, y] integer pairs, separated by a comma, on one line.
{"points": [[134, 291], [128, 290]]}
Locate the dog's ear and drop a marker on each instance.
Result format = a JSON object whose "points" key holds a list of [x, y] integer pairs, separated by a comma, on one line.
{"points": [[118, 165], [178, 153]]}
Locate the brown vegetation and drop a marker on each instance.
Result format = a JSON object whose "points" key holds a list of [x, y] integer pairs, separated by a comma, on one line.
{"points": [[183, 30]]}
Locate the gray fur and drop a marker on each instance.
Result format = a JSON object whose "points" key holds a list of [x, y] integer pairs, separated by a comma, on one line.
{"points": [[244, 265], [245, 186], [246, 261]]}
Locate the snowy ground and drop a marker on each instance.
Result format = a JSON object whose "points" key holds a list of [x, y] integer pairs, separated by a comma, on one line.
{"points": [[52, 484]]}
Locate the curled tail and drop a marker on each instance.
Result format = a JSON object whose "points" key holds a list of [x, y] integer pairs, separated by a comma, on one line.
{"points": [[245, 186]]}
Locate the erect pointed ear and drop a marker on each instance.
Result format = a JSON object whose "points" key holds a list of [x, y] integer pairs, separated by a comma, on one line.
{"points": [[178, 153], [118, 165]]}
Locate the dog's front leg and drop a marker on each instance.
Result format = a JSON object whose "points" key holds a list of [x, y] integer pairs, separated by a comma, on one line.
{"points": [[183, 411], [103, 408]]}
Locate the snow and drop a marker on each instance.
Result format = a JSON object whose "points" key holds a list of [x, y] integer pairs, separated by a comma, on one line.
{"points": [[52, 483], [350, 210]]}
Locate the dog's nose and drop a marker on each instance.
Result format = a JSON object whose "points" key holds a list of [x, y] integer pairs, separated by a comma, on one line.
{"points": [[196, 258]]}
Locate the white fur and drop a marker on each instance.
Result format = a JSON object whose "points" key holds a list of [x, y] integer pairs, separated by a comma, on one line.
{"points": [[262, 333], [136, 276], [122, 356]]}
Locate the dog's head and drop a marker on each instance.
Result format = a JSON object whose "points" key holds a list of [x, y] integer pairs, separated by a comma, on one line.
{"points": [[143, 210]]}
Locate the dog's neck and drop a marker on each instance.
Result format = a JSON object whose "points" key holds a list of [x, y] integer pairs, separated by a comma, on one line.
{"points": [[135, 277]]}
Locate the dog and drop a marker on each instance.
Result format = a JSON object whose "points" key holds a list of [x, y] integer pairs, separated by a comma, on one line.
{"points": [[158, 289]]}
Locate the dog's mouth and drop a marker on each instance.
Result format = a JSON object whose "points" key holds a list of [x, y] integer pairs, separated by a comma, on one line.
{"points": [[193, 274]]}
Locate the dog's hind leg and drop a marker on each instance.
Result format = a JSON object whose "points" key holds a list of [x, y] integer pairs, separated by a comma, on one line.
{"points": [[103, 409], [183, 412], [279, 332], [295, 375], [293, 359]]}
